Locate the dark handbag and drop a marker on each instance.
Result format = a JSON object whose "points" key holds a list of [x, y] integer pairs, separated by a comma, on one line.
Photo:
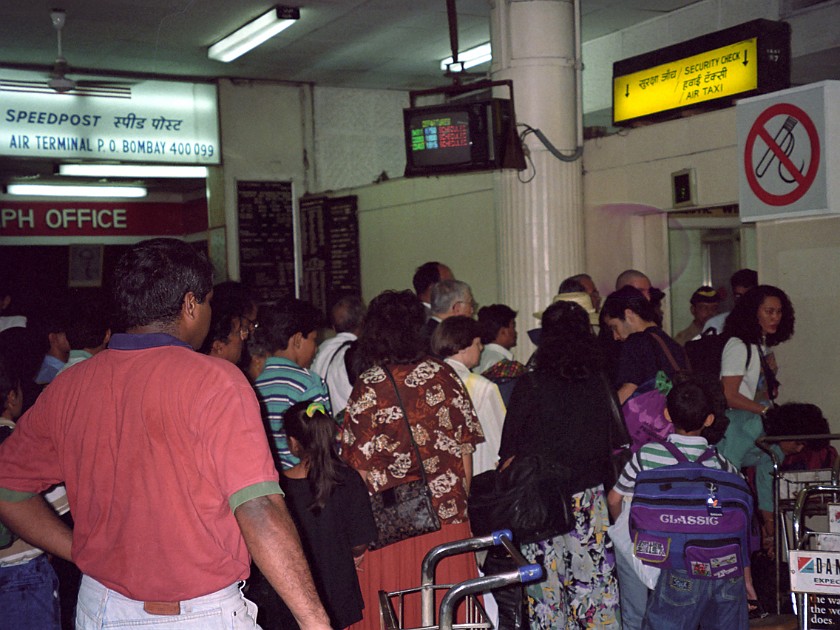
{"points": [[406, 510], [531, 497]]}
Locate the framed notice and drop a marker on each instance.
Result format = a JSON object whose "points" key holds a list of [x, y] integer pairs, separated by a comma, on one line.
{"points": [[267, 238], [329, 234], [85, 266]]}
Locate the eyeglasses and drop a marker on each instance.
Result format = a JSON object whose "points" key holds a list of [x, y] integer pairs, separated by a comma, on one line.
{"points": [[249, 324]]}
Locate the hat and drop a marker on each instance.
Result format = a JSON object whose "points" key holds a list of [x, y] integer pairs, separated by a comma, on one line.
{"points": [[706, 295], [582, 299]]}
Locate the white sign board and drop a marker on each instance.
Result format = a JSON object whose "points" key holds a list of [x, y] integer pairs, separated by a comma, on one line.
{"points": [[815, 572], [787, 146], [129, 120]]}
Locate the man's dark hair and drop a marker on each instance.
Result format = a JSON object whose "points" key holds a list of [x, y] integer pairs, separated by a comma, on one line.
{"points": [[280, 323], [233, 297], [223, 319], [348, 313], [572, 284], [152, 278], [425, 276], [692, 398], [88, 320], [628, 297], [453, 335], [744, 278], [797, 419], [492, 319], [742, 322]]}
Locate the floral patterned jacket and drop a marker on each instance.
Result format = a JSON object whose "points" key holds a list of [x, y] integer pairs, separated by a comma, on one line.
{"points": [[443, 423]]}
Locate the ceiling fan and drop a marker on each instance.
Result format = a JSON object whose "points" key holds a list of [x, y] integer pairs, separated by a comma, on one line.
{"points": [[58, 77], [60, 83]]}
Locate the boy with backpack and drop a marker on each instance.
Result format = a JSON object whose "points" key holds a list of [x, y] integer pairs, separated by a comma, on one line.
{"points": [[690, 516]]}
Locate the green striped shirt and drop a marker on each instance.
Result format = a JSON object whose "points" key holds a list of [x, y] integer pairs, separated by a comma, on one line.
{"points": [[655, 455]]}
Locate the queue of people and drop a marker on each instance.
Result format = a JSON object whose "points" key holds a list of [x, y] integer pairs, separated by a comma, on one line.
{"points": [[183, 467]]}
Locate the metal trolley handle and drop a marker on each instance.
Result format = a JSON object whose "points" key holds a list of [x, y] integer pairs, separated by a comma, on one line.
{"points": [[524, 573]]}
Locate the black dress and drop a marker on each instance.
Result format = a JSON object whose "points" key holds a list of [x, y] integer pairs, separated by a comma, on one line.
{"points": [[328, 538]]}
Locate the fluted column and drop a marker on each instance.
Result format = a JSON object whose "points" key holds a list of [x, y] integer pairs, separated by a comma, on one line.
{"points": [[540, 221]]}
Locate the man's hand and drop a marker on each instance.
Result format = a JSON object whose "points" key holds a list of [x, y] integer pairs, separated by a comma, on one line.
{"points": [[272, 539]]}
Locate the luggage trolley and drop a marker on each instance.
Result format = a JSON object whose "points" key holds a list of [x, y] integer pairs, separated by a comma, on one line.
{"points": [[476, 617], [809, 560], [791, 484]]}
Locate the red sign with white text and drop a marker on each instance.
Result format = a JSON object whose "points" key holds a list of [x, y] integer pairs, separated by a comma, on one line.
{"points": [[85, 218]]}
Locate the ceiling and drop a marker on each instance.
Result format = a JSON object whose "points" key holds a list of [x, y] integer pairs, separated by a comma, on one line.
{"points": [[381, 44], [390, 44]]}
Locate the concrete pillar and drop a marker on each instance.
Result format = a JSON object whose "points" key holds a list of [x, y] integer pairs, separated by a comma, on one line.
{"points": [[539, 211]]}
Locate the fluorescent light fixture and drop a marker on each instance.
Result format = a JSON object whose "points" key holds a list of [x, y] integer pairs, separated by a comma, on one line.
{"points": [[469, 58], [132, 170], [46, 190], [254, 33]]}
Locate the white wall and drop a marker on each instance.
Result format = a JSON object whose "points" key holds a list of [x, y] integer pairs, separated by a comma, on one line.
{"points": [[627, 194], [406, 222], [627, 190], [358, 135], [802, 258]]}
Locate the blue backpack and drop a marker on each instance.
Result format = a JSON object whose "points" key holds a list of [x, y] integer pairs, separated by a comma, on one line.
{"points": [[692, 517]]}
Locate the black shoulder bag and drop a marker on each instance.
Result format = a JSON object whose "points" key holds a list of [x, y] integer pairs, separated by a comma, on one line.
{"points": [[406, 510]]}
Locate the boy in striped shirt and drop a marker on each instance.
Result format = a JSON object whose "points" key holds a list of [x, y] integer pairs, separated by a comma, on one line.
{"points": [[678, 601]]}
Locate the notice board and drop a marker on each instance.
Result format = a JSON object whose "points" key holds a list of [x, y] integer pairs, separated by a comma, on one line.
{"points": [[329, 233], [266, 238]]}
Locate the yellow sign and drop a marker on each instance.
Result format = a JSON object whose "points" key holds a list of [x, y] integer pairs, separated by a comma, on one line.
{"points": [[724, 71]]}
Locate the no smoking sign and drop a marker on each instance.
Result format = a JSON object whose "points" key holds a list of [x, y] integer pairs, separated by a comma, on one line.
{"points": [[788, 148], [781, 154]]}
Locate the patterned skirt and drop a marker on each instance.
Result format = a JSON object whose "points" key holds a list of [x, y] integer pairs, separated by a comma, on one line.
{"points": [[580, 589]]}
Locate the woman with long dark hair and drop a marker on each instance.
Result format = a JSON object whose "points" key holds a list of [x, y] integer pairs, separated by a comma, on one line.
{"points": [[329, 503], [378, 445], [562, 411], [761, 319]]}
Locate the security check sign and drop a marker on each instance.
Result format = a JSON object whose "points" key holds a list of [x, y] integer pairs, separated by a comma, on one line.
{"points": [[785, 152]]}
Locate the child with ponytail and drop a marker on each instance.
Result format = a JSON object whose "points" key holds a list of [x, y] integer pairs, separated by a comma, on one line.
{"points": [[330, 505]]}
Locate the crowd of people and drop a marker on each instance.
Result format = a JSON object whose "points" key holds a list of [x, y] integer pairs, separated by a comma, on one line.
{"points": [[217, 460]]}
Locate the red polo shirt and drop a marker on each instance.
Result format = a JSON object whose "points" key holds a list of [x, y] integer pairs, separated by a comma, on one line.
{"points": [[156, 444]]}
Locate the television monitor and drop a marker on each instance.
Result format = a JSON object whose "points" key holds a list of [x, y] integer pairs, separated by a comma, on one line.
{"points": [[459, 137]]}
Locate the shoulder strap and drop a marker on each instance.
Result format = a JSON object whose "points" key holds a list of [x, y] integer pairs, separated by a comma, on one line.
{"points": [[769, 374], [334, 355], [681, 457], [407, 423], [709, 453], [667, 351]]}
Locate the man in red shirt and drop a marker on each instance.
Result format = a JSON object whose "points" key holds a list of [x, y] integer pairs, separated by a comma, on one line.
{"points": [[168, 471]]}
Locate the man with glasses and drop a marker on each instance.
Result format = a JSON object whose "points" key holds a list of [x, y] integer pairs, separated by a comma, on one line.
{"points": [[169, 475], [449, 298]]}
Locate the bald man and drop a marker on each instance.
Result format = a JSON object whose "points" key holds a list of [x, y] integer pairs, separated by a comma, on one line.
{"points": [[635, 279]]}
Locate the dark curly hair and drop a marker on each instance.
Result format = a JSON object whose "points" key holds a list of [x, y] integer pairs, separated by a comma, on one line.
{"points": [[392, 331], [152, 278], [568, 348], [742, 322]]}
